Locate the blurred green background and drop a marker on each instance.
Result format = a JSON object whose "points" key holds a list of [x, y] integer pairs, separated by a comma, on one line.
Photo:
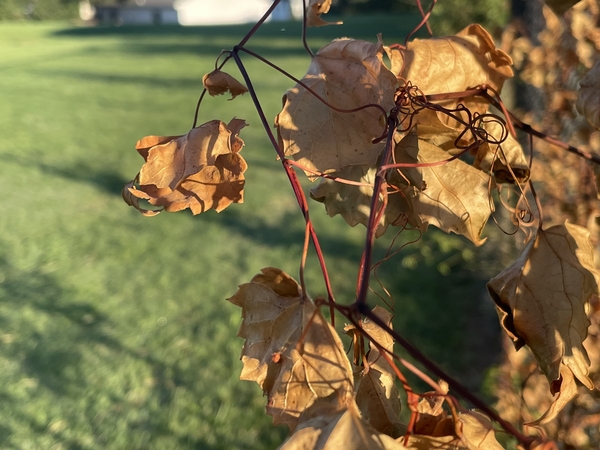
{"points": [[114, 329]]}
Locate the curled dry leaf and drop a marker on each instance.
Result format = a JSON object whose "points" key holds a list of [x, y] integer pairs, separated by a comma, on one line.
{"points": [[505, 160], [344, 430], [201, 170], [347, 74], [542, 300], [455, 198], [476, 431], [588, 97], [353, 201], [291, 350], [377, 396], [313, 13], [218, 82], [453, 64]]}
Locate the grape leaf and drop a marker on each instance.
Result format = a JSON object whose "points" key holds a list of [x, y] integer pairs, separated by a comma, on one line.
{"points": [[313, 13], [376, 394], [476, 431], [201, 170], [218, 82], [291, 351], [542, 300], [588, 96], [345, 430], [455, 198], [452, 64], [347, 74]]}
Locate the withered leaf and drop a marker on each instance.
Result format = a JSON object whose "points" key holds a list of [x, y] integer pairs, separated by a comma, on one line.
{"points": [[542, 300], [498, 158], [354, 202], [377, 396], [452, 64], [565, 389], [455, 198], [201, 170], [347, 74], [313, 13], [291, 350], [345, 430], [218, 82], [588, 96], [476, 431]]}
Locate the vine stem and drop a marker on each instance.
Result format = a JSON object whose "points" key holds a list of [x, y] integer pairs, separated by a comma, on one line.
{"points": [[453, 384], [292, 177]]}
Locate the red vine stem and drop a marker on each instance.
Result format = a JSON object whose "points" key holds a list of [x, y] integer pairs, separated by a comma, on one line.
{"points": [[453, 384], [292, 177]]}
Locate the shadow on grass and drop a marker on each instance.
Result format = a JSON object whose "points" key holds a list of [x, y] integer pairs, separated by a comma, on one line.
{"points": [[50, 333]]}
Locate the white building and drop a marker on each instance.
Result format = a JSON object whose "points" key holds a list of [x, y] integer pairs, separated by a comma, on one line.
{"points": [[189, 12]]}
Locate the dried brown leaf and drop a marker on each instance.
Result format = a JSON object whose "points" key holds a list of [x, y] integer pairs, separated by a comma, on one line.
{"points": [[377, 396], [542, 301], [565, 389], [201, 170], [218, 82], [345, 430], [291, 351], [452, 64], [476, 431], [347, 74], [588, 97], [354, 202], [313, 13], [455, 198]]}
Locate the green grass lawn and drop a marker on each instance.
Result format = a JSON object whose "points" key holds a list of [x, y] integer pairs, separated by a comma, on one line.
{"points": [[114, 331]]}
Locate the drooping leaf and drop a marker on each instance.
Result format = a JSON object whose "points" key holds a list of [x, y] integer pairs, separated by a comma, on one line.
{"points": [[542, 300], [476, 431], [313, 13], [345, 430], [588, 96], [347, 74], [218, 82], [201, 170], [377, 396], [291, 350], [500, 157], [354, 202], [455, 198]]}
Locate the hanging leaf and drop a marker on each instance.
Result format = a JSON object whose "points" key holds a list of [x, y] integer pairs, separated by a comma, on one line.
{"points": [[455, 198], [201, 170], [345, 430], [561, 6], [542, 300], [291, 351], [218, 82], [477, 432], [347, 74], [376, 394], [313, 13]]}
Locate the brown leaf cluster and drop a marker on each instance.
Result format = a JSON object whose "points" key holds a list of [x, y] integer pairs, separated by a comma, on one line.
{"points": [[201, 170], [330, 123], [298, 360]]}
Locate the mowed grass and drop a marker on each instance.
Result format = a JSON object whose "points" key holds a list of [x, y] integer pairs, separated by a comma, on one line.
{"points": [[114, 329]]}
